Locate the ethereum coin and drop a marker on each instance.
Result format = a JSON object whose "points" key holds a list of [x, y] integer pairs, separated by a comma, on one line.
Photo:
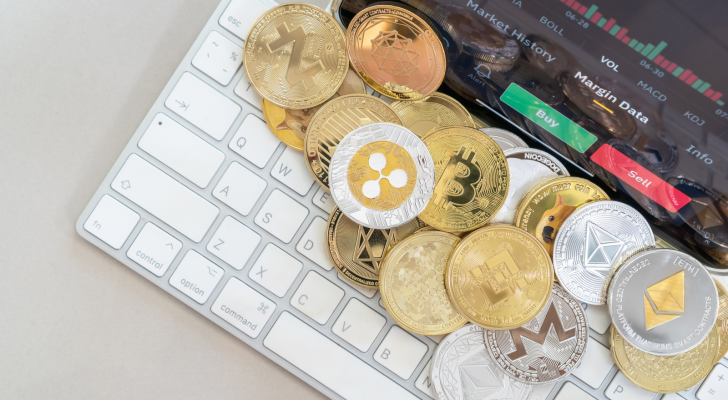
{"points": [[663, 302], [462, 369], [504, 139], [548, 347], [593, 241]]}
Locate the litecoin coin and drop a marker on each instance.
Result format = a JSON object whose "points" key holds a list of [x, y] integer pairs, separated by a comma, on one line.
{"points": [[663, 302], [381, 175], [283, 65], [462, 369], [556, 342], [335, 120], [431, 113], [721, 324], [526, 168], [471, 175], [593, 241], [504, 139]]}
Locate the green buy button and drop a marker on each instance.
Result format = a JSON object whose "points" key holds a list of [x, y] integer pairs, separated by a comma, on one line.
{"points": [[548, 118]]}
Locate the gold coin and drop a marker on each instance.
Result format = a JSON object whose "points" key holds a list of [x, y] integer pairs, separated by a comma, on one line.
{"points": [[295, 56], [665, 374], [336, 119], [722, 322], [546, 206], [357, 251], [290, 126], [480, 123], [431, 113], [412, 284], [471, 179], [499, 277]]}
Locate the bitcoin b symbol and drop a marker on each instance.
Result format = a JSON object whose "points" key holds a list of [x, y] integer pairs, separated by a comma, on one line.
{"points": [[457, 184]]}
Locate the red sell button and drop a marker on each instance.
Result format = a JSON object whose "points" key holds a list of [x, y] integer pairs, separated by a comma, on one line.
{"points": [[640, 178]]}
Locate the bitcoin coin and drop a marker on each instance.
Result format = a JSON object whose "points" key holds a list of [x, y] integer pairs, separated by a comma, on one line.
{"points": [[665, 374], [290, 126], [412, 284], [471, 179], [556, 342], [663, 302], [462, 367], [546, 206], [357, 252], [295, 56], [504, 139], [431, 113], [335, 120], [721, 323], [499, 277], [396, 52], [381, 175]]}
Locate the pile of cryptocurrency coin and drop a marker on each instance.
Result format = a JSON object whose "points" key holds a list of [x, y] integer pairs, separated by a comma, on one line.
{"points": [[456, 225]]}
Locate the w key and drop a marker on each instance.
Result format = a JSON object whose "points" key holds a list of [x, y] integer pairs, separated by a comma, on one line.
{"points": [[291, 170]]}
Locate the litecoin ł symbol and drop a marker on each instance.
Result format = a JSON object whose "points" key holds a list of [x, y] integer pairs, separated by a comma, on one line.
{"points": [[458, 180], [552, 319], [295, 73], [496, 277]]}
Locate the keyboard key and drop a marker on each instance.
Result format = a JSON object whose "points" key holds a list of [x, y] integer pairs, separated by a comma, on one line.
{"points": [[597, 317], [359, 325], [154, 249], [183, 151], [240, 15], [674, 396], [275, 270], [111, 221], [196, 276], [233, 243], [245, 91], [423, 382], [291, 170], [203, 106], [313, 244], [369, 293], [541, 392], [595, 365], [622, 388], [243, 307], [218, 58], [239, 188], [254, 141], [281, 216], [572, 392], [400, 352], [715, 386], [323, 200], [165, 198], [328, 363], [317, 297]]}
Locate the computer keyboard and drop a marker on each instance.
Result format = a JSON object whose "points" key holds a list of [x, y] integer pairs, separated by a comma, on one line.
{"points": [[207, 204]]}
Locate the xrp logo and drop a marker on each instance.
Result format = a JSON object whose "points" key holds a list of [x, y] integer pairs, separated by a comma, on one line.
{"points": [[397, 178]]}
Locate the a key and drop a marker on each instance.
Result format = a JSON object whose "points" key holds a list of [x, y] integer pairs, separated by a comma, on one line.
{"points": [[369, 293], [245, 91], [154, 249], [218, 58], [323, 200], [240, 15], [254, 141], [715, 386], [622, 388], [165, 198], [424, 383], [243, 307], [328, 363], [359, 325], [595, 364], [181, 150], [196, 276], [598, 317], [400, 352], [572, 392], [275, 270], [233, 243], [291, 170], [239, 188], [317, 297], [111, 221], [312, 244], [203, 106], [281, 216]]}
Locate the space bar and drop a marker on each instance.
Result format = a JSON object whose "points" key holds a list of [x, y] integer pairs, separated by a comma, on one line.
{"points": [[328, 363]]}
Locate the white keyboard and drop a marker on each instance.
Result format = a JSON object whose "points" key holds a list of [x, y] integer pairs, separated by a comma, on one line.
{"points": [[207, 204]]}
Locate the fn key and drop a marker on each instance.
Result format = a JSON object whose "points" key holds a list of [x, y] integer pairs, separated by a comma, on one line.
{"points": [[111, 221]]}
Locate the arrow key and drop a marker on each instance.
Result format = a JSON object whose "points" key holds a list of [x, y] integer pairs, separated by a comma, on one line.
{"points": [[154, 249], [359, 325]]}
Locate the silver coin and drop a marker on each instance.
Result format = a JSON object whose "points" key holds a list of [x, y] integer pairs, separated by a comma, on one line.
{"points": [[506, 140], [526, 167], [548, 347], [592, 241], [462, 369], [415, 171], [663, 302]]}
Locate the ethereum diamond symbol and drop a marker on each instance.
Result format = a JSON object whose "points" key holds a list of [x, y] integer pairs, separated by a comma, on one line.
{"points": [[479, 381], [665, 300], [706, 212], [602, 248]]}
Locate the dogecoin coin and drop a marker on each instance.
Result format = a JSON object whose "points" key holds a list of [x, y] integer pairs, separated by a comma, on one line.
{"points": [[431, 113], [295, 56], [412, 283], [721, 323], [335, 120], [290, 126], [499, 277], [505, 140], [546, 206], [471, 179], [357, 252], [396, 52]]}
